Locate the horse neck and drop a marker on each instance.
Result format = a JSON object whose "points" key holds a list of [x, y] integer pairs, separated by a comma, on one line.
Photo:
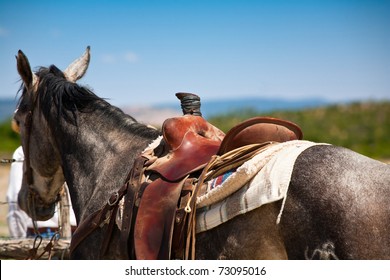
{"points": [[97, 157]]}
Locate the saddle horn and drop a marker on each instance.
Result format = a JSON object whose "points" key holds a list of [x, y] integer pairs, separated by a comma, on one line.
{"points": [[190, 103]]}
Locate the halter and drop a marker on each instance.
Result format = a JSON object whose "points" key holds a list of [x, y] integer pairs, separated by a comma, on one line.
{"points": [[28, 173]]}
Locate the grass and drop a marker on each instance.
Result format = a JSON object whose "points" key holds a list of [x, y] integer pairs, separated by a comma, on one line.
{"points": [[9, 140], [362, 127]]}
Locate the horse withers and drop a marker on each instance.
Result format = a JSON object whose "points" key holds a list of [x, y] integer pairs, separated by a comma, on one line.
{"points": [[337, 204]]}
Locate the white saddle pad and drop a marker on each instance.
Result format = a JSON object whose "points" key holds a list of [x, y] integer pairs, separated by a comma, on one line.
{"points": [[262, 179]]}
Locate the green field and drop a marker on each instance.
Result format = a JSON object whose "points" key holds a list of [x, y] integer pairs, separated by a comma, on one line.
{"points": [[362, 127]]}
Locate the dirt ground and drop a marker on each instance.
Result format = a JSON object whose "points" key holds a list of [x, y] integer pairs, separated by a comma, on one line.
{"points": [[4, 176]]}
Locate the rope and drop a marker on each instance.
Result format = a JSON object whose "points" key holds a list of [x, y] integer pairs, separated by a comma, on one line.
{"points": [[34, 250]]}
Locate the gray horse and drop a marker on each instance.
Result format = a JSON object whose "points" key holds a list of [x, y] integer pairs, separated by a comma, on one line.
{"points": [[337, 204]]}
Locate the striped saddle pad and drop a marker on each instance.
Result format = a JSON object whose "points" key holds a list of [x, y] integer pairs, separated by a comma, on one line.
{"points": [[260, 180]]}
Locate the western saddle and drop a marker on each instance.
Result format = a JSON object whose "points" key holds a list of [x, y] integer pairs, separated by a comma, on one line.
{"points": [[160, 194]]}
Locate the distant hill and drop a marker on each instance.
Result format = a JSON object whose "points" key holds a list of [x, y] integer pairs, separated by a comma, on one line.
{"points": [[211, 108], [151, 115], [158, 113]]}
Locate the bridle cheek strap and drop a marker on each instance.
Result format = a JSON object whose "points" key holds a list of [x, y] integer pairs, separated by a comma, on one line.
{"points": [[28, 172]]}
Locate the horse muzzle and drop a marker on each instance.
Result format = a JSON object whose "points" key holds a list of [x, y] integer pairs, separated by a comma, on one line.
{"points": [[30, 202]]}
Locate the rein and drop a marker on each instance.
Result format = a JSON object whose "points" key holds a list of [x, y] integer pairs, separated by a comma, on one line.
{"points": [[33, 252]]}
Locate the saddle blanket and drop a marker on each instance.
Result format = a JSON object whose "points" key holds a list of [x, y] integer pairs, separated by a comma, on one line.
{"points": [[260, 180]]}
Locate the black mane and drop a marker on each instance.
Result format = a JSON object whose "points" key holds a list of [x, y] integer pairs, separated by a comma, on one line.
{"points": [[68, 98]]}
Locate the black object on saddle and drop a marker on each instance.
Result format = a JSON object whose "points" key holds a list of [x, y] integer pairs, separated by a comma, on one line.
{"points": [[190, 103]]}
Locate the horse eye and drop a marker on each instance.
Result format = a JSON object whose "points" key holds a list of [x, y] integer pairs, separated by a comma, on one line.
{"points": [[16, 117]]}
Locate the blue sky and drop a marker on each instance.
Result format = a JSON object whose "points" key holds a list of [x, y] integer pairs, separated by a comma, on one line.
{"points": [[145, 51]]}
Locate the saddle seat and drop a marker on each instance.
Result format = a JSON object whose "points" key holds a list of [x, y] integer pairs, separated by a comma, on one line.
{"points": [[189, 143]]}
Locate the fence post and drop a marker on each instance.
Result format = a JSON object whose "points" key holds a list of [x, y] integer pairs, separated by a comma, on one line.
{"points": [[64, 215]]}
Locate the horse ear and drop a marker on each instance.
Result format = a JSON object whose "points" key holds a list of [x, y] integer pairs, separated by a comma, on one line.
{"points": [[24, 69], [78, 68]]}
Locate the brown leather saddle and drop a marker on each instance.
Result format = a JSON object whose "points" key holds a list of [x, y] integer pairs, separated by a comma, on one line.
{"points": [[190, 142], [155, 220]]}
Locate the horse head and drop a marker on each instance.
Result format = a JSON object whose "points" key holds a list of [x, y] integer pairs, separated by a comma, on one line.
{"points": [[43, 177]]}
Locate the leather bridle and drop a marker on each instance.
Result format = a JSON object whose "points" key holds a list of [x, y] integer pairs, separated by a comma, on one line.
{"points": [[28, 125]]}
